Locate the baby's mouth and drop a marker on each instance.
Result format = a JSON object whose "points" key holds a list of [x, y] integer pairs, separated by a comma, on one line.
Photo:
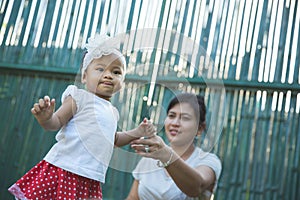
{"points": [[108, 83]]}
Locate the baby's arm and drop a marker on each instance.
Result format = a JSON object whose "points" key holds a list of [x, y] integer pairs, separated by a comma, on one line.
{"points": [[43, 111], [145, 129]]}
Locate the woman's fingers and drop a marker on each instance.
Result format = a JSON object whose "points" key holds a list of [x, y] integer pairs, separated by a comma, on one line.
{"points": [[147, 145], [142, 148]]}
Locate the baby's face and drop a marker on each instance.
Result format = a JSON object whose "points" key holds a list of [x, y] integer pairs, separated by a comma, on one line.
{"points": [[104, 76]]}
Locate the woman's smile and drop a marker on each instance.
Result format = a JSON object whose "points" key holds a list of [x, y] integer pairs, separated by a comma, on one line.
{"points": [[174, 132]]}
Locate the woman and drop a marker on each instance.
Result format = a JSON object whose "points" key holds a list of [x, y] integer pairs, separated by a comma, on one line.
{"points": [[180, 170]]}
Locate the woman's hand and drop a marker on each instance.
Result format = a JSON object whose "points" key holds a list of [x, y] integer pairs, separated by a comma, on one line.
{"points": [[153, 147]]}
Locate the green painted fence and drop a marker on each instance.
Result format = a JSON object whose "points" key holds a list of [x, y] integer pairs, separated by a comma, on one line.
{"points": [[242, 55]]}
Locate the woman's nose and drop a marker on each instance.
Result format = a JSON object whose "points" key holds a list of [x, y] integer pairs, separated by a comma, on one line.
{"points": [[175, 121]]}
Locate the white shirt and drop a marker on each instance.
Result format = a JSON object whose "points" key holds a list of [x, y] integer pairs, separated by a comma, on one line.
{"points": [[155, 184], [85, 144]]}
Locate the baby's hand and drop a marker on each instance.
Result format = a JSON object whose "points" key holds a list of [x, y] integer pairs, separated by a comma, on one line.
{"points": [[146, 129], [44, 109]]}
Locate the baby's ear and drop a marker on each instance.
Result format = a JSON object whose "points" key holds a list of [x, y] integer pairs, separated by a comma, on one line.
{"points": [[83, 78]]}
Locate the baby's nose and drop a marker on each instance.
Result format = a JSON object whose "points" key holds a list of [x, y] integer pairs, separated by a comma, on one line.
{"points": [[107, 74]]}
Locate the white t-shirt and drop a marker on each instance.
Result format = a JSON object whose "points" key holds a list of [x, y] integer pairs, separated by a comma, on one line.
{"points": [[85, 144], [155, 184]]}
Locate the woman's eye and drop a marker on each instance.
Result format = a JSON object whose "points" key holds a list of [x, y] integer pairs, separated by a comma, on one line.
{"points": [[171, 115], [185, 118]]}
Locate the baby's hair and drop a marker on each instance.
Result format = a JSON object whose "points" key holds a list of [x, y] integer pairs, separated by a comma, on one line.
{"points": [[196, 102]]}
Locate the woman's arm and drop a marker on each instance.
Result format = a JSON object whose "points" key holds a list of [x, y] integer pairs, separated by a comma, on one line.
{"points": [[43, 111], [133, 194], [192, 181]]}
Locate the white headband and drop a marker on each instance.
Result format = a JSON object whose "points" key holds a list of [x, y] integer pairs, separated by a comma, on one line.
{"points": [[98, 46]]}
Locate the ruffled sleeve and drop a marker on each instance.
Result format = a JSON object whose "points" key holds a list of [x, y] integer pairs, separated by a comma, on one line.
{"points": [[74, 92]]}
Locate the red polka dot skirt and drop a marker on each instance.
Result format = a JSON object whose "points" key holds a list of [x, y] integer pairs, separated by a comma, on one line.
{"points": [[46, 181]]}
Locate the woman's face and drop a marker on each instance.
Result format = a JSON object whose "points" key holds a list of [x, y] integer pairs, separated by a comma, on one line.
{"points": [[181, 125]]}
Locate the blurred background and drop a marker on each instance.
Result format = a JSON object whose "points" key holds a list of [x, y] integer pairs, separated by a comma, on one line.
{"points": [[243, 56]]}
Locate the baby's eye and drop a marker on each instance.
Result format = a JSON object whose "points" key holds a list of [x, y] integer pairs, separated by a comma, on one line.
{"points": [[117, 72], [100, 69]]}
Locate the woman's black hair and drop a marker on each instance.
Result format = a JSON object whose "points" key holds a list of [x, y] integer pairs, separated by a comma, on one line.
{"points": [[195, 101]]}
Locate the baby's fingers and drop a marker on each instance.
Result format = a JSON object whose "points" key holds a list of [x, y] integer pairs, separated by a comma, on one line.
{"points": [[150, 130], [46, 101], [35, 109], [52, 104]]}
